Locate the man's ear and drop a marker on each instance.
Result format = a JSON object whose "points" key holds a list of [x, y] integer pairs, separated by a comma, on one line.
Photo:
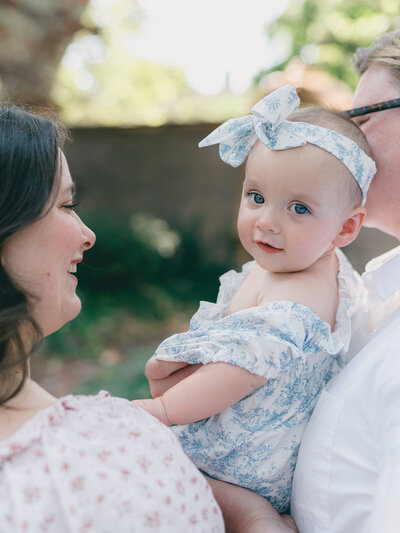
{"points": [[351, 227]]}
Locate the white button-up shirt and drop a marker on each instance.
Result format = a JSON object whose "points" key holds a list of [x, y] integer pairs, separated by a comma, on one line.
{"points": [[347, 478]]}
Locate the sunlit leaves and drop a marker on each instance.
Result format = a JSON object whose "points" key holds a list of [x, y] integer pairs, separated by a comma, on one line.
{"points": [[334, 29]]}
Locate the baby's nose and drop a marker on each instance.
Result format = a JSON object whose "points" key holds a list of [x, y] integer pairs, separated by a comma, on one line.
{"points": [[268, 220]]}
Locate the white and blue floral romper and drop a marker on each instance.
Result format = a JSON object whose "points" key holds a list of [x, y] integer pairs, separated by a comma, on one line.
{"points": [[254, 443]]}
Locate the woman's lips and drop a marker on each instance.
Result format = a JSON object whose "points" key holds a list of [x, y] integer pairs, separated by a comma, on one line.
{"points": [[71, 276], [268, 248]]}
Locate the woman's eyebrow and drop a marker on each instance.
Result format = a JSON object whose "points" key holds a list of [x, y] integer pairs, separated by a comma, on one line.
{"points": [[70, 188]]}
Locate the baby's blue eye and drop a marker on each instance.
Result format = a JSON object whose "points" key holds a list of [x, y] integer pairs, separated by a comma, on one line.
{"points": [[257, 198], [299, 209]]}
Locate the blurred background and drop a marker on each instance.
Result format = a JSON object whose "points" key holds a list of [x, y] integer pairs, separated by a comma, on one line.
{"points": [[140, 83]]}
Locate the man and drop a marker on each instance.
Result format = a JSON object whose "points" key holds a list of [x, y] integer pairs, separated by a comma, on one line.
{"points": [[347, 478]]}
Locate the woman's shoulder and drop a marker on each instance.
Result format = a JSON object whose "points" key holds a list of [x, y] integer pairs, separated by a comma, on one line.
{"points": [[102, 459], [83, 417]]}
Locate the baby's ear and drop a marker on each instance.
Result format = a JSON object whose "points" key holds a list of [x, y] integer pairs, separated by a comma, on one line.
{"points": [[351, 227]]}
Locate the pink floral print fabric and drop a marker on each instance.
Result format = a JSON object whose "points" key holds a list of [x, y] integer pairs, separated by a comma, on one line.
{"points": [[100, 464]]}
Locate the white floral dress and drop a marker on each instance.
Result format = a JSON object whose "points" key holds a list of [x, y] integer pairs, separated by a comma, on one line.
{"points": [[100, 464], [254, 443]]}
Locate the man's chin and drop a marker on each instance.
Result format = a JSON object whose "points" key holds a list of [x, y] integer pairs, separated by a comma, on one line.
{"points": [[390, 228]]}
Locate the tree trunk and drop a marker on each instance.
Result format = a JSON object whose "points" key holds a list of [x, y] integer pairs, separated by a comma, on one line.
{"points": [[34, 36]]}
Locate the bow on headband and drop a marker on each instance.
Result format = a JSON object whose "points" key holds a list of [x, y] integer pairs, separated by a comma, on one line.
{"points": [[268, 124]]}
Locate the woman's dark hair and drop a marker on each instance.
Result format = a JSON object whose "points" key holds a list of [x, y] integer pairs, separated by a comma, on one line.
{"points": [[29, 180]]}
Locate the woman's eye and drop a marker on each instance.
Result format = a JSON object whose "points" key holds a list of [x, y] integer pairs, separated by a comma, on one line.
{"points": [[71, 206], [257, 197], [299, 209]]}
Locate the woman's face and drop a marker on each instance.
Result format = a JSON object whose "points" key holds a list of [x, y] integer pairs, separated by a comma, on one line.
{"points": [[42, 257]]}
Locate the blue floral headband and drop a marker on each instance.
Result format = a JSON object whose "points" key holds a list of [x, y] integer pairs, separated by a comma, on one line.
{"points": [[267, 123]]}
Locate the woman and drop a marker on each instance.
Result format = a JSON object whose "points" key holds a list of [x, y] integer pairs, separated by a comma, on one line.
{"points": [[77, 463]]}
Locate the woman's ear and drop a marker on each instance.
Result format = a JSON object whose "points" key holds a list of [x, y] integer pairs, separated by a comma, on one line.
{"points": [[351, 227]]}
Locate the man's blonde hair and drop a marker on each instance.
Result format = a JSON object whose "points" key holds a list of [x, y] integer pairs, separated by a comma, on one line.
{"points": [[385, 50]]}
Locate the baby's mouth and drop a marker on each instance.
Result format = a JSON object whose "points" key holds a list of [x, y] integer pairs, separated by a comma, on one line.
{"points": [[268, 247]]}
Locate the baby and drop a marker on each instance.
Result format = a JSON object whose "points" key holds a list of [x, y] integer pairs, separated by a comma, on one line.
{"points": [[273, 339]]}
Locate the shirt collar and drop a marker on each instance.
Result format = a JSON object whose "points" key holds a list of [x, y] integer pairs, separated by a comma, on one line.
{"points": [[382, 274]]}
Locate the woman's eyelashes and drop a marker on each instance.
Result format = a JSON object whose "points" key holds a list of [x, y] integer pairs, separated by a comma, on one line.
{"points": [[72, 205]]}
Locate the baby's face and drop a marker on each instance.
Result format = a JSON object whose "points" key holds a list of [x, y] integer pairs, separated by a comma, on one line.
{"points": [[292, 206]]}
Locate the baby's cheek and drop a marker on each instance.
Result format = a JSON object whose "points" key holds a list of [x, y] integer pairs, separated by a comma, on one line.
{"points": [[303, 242], [307, 248]]}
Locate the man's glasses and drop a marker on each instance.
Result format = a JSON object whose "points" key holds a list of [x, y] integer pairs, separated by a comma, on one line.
{"points": [[365, 110]]}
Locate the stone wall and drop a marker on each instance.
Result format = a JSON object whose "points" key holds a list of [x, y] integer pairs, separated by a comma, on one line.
{"points": [[120, 171]]}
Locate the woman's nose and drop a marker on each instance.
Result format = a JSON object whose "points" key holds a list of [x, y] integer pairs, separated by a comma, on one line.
{"points": [[89, 237]]}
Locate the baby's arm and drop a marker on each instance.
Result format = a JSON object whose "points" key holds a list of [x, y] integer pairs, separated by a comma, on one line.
{"points": [[210, 390], [162, 375]]}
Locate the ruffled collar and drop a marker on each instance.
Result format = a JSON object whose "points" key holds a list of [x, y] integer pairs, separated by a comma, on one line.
{"points": [[351, 291]]}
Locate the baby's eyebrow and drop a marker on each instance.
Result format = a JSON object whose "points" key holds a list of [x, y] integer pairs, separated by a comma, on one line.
{"points": [[310, 200], [250, 182]]}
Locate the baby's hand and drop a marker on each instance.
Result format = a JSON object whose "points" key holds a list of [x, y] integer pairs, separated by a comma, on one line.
{"points": [[155, 408]]}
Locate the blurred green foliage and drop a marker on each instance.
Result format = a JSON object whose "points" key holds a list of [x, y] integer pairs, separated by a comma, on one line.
{"points": [[122, 90], [118, 90], [125, 379], [138, 267], [327, 33], [141, 273], [101, 81]]}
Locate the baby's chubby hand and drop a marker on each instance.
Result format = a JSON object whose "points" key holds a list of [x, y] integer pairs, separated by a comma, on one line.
{"points": [[154, 407]]}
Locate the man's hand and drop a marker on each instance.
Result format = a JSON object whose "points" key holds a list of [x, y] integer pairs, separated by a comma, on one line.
{"points": [[162, 375], [245, 511]]}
